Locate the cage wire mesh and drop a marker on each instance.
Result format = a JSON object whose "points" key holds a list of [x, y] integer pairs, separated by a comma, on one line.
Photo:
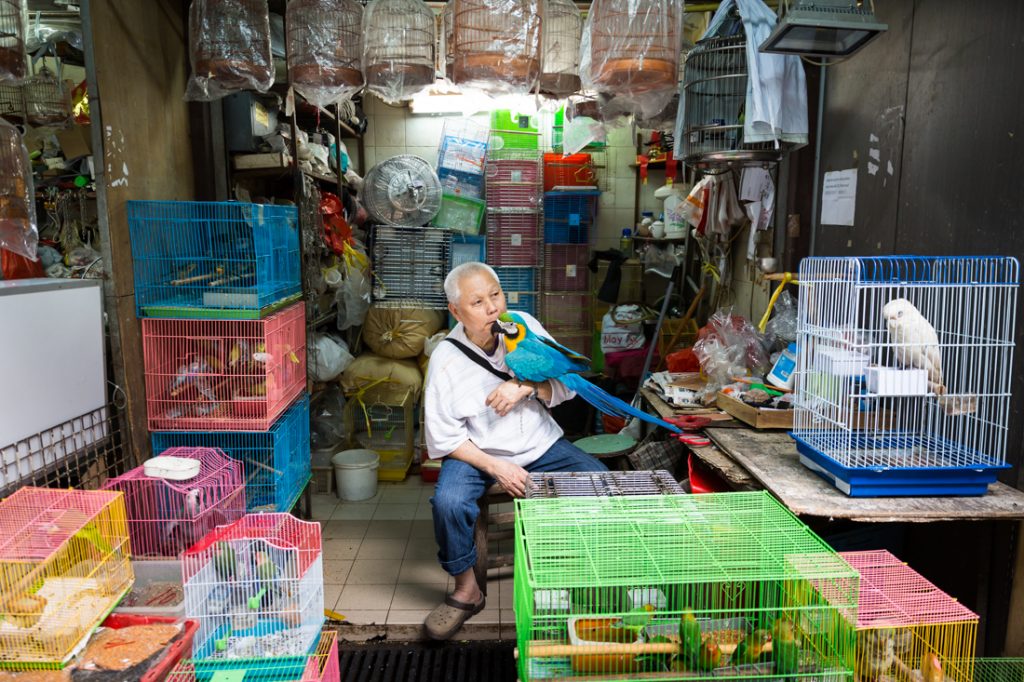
{"points": [[513, 239], [256, 588], [999, 669], [223, 375], [715, 99], [496, 44], [566, 311], [13, 64], [325, 48], [387, 428], [565, 267], [520, 287], [12, 102], [410, 265], [889, 399], [166, 517], [275, 463], [677, 586], [560, 51], [905, 624], [513, 179], [63, 567], [602, 484], [229, 48], [321, 666], [399, 48]]}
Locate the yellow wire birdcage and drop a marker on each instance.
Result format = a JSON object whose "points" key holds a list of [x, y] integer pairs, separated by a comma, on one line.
{"points": [[64, 565]]}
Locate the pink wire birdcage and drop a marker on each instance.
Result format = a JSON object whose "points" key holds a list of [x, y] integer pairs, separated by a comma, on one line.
{"points": [[514, 238], [565, 267], [513, 179], [223, 375], [566, 311], [906, 624], [166, 517], [256, 588]]}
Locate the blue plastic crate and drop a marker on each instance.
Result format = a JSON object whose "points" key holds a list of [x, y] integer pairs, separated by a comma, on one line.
{"points": [[568, 216], [457, 183], [223, 260], [276, 462], [468, 249]]}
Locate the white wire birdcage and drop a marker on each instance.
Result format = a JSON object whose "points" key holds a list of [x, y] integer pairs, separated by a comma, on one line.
{"points": [[715, 96], [325, 48], [46, 101], [560, 51], [12, 40], [256, 587], [904, 365], [398, 59]]}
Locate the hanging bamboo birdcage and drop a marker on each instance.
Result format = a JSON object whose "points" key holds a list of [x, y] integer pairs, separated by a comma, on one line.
{"points": [[496, 44], [447, 22], [18, 231], [229, 47], [46, 100], [398, 57], [12, 40], [325, 48], [634, 46], [560, 63]]}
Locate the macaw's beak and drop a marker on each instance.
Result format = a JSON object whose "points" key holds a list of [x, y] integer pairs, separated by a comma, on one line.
{"points": [[506, 328]]}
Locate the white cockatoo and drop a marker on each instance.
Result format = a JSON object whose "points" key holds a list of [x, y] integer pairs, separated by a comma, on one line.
{"points": [[916, 343]]}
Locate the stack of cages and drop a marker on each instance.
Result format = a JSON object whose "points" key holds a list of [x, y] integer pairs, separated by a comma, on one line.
{"points": [[889, 399], [256, 589], [384, 419], [460, 167], [907, 627], [321, 666], [224, 334], [63, 567], [514, 189], [570, 213], [674, 587]]}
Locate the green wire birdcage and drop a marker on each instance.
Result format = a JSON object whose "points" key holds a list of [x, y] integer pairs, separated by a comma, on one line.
{"points": [[999, 670], [677, 587]]}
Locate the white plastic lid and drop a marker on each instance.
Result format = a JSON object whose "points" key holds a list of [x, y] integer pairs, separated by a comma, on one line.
{"points": [[171, 468], [356, 459]]}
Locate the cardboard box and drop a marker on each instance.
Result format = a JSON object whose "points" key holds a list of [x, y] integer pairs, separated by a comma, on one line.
{"points": [[758, 417], [75, 141]]}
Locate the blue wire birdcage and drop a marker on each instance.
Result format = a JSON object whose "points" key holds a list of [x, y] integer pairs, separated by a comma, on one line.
{"points": [[222, 260], [520, 287], [569, 215]]}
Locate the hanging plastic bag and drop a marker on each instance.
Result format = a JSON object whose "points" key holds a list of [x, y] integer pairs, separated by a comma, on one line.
{"points": [[781, 329], [398, 48], [729, 346], [327, 357], [326, 423], [325, 49], [229, 48], [353, 296], [496, 45], [18, 228]]}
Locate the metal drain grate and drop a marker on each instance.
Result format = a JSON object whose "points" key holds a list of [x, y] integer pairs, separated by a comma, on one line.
{"points": [[428, 662]]}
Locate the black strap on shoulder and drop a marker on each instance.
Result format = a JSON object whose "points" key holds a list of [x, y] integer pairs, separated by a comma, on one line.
{"points": [[479, 360]]}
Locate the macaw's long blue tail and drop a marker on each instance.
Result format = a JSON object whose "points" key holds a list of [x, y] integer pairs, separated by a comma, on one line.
{"points": [[608, 403]]}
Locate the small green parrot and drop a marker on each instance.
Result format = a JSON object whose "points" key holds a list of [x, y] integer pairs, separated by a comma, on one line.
{"points": [[224, 561], [689, 638], [266, 569], [749, 650], [710, 656], [655, 662], [785, 649], [637, 619]]}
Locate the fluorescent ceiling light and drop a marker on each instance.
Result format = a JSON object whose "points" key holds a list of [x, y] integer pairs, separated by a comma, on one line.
{"points": [[823, 28]]}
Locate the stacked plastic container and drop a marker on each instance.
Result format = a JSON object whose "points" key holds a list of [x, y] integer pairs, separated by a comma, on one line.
{"points": [[570, 213], [514, 177], [224, 337]]}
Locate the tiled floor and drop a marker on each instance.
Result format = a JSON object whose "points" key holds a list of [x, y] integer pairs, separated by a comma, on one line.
{"points": [[381, 569]]}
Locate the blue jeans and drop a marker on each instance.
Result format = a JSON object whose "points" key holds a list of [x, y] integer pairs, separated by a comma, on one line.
{"points": [[459, 487]]}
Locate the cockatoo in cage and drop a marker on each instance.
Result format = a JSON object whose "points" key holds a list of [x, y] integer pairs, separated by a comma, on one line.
{"points": [[917, 345]]}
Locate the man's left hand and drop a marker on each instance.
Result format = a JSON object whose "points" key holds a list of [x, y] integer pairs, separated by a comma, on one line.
{"points": [[506, 396]]}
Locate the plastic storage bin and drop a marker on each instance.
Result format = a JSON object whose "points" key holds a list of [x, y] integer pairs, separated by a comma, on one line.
{"points": [[157, 591], [460, 214]]}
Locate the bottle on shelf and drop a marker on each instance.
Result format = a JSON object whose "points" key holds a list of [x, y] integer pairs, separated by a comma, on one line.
{"points": [[626, 242]]}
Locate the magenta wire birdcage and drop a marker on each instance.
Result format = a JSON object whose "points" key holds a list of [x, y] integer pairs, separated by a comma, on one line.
{"points": [[565, 267], [580, 341], [166, 517], [223, 375], [566, 311], [513, 179], [514, 239]]}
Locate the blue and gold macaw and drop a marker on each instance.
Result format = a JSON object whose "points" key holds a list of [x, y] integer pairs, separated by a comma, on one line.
{"points": [[533, 357]]}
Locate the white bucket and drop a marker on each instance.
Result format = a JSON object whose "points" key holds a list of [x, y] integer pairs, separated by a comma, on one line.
{"points": [[355, 473]]}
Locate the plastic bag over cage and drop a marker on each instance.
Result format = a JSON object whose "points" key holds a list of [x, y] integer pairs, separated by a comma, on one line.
{"points": [[12, 40], [18, 230], [229, 48], [403, 190], [496, 44], [325, 49], [560, 55], [398, 53], [630, 50]]}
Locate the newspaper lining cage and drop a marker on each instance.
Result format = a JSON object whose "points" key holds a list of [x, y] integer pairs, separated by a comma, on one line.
{"points": [[321, 666], [889, 396], [256, 588], [166, 516], [671, 587], [906, 626], [229, 47], [275, 463], [399, 42], [325, 49], [63, 567]]}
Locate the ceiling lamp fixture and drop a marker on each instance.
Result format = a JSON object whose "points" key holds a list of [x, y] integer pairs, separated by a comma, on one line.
{"points": [[824, 28]]}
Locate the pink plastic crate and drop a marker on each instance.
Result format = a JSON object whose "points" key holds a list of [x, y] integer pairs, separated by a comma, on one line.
{"points": [[514, 179], [166, 517], [514, 239], [568, 311], [565, 267], [223, 375]]}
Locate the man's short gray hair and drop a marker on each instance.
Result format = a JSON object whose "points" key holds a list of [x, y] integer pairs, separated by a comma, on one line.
{"points": [[460, 272]]}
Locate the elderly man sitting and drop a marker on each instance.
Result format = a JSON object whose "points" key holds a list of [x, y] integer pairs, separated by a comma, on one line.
{"points": [[488, 428]]}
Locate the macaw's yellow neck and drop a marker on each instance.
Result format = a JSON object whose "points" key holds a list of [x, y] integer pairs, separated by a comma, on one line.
{"points": [[512, 341]]}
